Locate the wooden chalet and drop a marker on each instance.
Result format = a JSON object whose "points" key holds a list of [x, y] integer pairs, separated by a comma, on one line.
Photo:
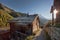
{"points": [[25, 24]]}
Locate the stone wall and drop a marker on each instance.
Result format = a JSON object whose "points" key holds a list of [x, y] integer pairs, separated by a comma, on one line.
{"points": [[54, 33]]}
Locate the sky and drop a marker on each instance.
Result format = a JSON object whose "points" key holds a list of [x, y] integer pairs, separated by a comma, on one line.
{"points": [[40, 7]]}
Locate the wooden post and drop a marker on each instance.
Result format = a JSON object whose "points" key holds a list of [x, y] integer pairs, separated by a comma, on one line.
{"points": [[52, 18]]}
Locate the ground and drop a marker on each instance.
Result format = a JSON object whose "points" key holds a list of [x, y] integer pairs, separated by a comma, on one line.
{"points": [[40, 35]]}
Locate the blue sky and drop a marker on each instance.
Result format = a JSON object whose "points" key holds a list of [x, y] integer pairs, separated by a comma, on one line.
{"points": [[41, 7]]}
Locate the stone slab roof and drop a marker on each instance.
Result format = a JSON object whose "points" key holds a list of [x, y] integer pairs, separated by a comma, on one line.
{"points": [[23, 20]]}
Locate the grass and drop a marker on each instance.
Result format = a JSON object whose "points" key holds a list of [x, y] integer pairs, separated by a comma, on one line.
{"points": [[29, 37]]}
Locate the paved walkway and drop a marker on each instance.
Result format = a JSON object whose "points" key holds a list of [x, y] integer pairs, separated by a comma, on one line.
{"points": [[40, 36]]}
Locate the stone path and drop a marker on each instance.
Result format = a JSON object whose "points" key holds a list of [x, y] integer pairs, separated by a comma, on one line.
{"points": [[40, 36]]}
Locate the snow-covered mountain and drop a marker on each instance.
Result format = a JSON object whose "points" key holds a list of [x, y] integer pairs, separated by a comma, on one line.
{"points": [[43, 20]]}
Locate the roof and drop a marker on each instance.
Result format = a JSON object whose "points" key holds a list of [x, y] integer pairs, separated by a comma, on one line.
{"points": [[24, 20]]}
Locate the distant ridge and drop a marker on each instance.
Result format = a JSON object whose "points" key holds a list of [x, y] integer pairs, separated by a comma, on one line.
{"points": [[5, 8], [43, 20]]}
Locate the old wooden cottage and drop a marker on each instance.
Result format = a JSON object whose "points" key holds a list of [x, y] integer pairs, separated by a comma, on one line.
{"points": [[25, 24]]}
